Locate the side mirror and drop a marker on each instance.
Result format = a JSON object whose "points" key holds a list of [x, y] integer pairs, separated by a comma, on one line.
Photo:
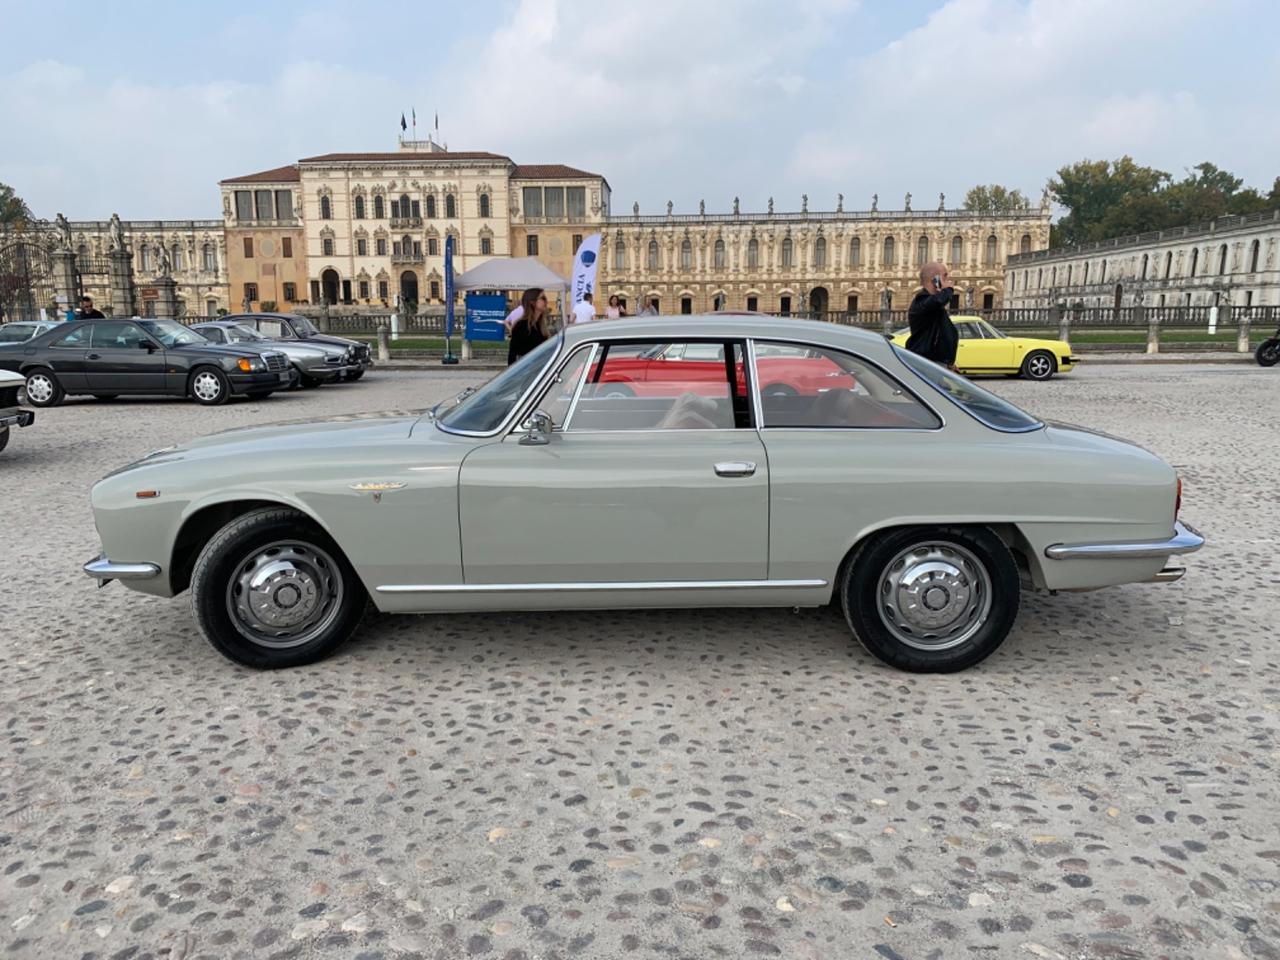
{"points": [[538, 429]]}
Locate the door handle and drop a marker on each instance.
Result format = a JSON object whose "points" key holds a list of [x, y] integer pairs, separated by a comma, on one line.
{"points": [[735, 468]]}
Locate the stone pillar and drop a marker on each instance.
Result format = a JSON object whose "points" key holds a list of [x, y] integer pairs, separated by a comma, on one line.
{"points": [[65, 279], [1062, 320], [167, 297], [1153, 327], [123, 295], [886, 321], [384, 343], [1242, 332]]}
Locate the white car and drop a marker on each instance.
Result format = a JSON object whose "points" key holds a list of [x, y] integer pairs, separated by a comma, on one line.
{"points": [[10, 413]]}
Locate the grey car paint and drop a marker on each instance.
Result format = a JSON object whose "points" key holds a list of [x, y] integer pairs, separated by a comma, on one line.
{"points": [[322, 361], [436, 521]]}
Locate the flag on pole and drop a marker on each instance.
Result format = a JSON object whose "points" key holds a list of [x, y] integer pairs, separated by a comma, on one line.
{"points": [[584, 270], [448, 285], [403, 126]]}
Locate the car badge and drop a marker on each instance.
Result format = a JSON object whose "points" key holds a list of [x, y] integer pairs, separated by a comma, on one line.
{"points": [[377, 488]]}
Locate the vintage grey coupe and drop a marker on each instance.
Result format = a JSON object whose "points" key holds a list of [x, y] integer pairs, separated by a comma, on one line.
{"points": [[723, 461]]}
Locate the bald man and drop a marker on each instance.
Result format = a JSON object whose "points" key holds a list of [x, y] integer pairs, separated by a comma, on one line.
{"points": [[933, 335]]}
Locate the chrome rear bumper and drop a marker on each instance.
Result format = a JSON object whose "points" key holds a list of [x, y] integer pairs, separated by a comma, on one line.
{"points": [[1184, 540], [104, 570]]}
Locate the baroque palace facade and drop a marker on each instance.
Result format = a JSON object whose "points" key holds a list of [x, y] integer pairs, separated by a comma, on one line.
{"points": [[1229, 261]]}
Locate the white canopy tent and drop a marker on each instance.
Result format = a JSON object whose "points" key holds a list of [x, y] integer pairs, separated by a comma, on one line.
{"points": [[510, 273]]}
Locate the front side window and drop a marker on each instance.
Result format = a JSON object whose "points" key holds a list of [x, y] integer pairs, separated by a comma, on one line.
{"points": [[820, 387], [558, 400], [664, 386], [985, 407], [213, 334], [171, 333], [117, 335], [483, 410], [239, 333]]}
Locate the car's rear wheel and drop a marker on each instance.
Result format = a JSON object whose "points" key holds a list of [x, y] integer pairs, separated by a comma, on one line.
{"points": [[209, 386], [931, 599], [43, 388], [272, 590], [4, 437], [1039, 365], [615, 391], [779, 390], [1268, 353]]}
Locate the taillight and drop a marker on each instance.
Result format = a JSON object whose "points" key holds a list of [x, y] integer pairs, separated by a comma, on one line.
{"points": [[1177, 500]]}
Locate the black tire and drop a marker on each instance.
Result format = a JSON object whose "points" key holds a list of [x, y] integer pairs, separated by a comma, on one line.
{"points": [[307, 382], [1039, 365], [49, 392], [200, 386], [228, 558], [616, 390], [104, 397], [779, 390], [4, 437], [1268, 352], [984, 588], [356, 375]]}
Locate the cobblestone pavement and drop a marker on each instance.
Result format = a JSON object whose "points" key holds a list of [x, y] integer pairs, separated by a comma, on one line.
{"points": [[652, 784]]}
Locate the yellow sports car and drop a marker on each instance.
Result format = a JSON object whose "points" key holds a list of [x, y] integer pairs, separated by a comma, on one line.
{"points": [[984, 349]]}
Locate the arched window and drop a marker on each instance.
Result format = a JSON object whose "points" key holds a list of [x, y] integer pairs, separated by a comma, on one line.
{"points": [[1024, 245], [855, 252], [619, 255], [922, 251], [145, 257], [753, 252], [1013, 283], [209, 258], [652, 262], [719, 255], [1102, 273], [431, 207], [1069, 272], [175, 256], [957, 250], [406, 244], [1195, 261], [889, 260], [379, 210], [484, 206], [820, 252], [686, 255], [82, 254], [1144, 266], [1254, 249], [1222, 260], [450, 207], [359, 205], [1168, 264], [405, 206], [1040, 279], [991, 249], [433, 246], [787, 251], [1084, 276], [326, 209]]}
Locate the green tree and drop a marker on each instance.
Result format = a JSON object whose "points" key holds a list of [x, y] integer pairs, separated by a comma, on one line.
{"points": [[1093, 190], [13, 212], [993, 198]]}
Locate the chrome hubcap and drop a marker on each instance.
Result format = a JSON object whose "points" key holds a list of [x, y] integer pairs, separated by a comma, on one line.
{"points": [[39, 389], [934, 596], [1039, 366], [206, 386], [285, 594]]}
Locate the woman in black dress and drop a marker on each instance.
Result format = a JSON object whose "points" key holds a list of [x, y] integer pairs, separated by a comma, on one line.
{"points": [[532, 328]]}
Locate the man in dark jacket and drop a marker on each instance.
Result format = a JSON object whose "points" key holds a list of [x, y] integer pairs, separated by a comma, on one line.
{"points": [[87, 311], [933, 335]]}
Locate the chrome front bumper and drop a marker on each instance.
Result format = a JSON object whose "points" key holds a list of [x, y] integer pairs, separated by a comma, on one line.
{"points": [[21, 418], [1184, 540], [104, 570]]}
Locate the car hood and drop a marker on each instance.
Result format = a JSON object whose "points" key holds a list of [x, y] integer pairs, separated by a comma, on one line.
{"points": [[340, 429], [329, 339], [1033, 343], [222, 349], [10, 379]]}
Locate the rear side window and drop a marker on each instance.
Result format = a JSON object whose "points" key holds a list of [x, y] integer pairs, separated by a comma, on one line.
{"points": [[983, 406], [107, 336], [818, 387], [79, 337], [214, 333]]}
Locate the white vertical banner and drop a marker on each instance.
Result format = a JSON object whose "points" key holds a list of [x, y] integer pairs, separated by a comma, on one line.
{"points": [[584, 270]]}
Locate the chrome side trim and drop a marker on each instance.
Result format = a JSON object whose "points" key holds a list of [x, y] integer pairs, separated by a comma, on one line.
{"points": [[593, 587], [1168, 575], [101, 568], [1184, 540]]}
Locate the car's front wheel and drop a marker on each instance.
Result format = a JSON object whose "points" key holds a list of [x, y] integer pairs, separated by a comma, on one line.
{"points": [[209, 386], [43, 388], [1268, 352], [1039, 365], [272, 590], [4, 437], [355, 374], [931, 599]]}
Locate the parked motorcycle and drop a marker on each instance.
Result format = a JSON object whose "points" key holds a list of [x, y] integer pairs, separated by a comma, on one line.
{"points": [[1268, 352]]}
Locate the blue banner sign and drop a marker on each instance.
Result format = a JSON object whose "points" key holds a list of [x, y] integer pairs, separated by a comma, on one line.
{"points": [[485, 313]]}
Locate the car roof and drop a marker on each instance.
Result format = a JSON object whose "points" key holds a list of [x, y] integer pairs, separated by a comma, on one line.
{"points": [[759, 326]]}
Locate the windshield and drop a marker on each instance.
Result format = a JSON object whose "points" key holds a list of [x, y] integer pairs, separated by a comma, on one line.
{"points": [[303, 327], [170, 333], [983, 406], [239, 332], [482, 410]]}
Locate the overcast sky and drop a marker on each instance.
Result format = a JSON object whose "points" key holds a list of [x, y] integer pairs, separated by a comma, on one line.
{"points": [[142, 108]]}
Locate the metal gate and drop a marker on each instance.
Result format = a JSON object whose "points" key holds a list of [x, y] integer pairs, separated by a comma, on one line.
{"points": [[26, 279]]}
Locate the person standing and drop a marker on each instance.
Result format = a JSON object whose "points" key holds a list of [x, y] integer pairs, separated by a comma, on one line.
{"points": [[584, 310], [615, 309], [650, 309], [87, 311], [532, 328], [933, 335]]}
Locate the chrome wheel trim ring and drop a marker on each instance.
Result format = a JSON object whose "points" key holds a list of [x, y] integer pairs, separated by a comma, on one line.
{"points": [[206, 386], [39, 388], [284, 594], [934, 595], [1039, 367]]}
